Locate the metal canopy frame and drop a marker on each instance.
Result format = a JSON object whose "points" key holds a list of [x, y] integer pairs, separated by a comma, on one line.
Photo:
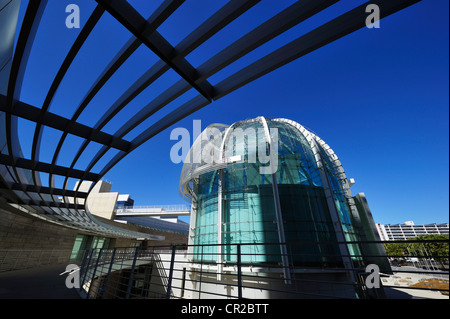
{"points": [[20, 181]]}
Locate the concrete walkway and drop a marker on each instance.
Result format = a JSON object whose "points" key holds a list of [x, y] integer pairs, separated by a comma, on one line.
{"points": [[39, 283], [399, 280], [405, 293]]}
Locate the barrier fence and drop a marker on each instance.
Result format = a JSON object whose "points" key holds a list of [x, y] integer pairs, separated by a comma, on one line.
{"points": [[260, 271]]}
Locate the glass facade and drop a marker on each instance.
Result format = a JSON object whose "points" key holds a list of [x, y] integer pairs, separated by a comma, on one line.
{"points": [[243, 198], [124, 201], [337, 180], [85, 242]]}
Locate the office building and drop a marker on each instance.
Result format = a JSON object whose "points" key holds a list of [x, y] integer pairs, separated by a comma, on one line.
{"points": [[409, 230]]}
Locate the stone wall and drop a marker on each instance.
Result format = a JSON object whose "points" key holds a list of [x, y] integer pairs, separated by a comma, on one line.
{"points": [[27, 242]]}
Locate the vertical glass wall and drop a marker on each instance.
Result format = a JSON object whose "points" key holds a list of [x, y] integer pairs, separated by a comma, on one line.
{"points": [[78, 247], [206, 232], [85, 242], [248, 206]]}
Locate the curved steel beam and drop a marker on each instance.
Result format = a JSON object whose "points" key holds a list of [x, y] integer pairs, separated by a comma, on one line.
{"points": [[156, 19], [90, 24], [265, 32], [123, 12], [335, 29], [25, 41], [17, 187], [286, 19], [206, 30]]}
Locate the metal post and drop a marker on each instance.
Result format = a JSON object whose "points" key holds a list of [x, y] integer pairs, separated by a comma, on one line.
{"points": [[239, 271], [169, 281], [93, 274], [88, 261], [83, 262], [201, 274], [105, 286], [130, 280], [277, 204], [219, 227], [148, 278]]}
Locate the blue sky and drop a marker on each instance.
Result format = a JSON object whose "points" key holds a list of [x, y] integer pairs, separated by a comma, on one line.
{"points": [[378, 97]]}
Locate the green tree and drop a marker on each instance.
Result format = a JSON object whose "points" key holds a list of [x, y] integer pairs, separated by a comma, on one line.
{"points": [[430, 247], [435, 246], [395, 250]]}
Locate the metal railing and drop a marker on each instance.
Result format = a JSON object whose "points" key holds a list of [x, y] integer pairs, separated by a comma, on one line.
{"points": [[249, 271], [167, 208]]}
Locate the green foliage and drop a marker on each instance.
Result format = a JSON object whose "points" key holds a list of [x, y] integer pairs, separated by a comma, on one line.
{"points": [[433, 248], [429, 248], [395, 249]]}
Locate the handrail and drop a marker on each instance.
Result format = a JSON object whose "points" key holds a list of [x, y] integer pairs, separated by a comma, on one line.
{"points": [[168, 208], [195, 271]]}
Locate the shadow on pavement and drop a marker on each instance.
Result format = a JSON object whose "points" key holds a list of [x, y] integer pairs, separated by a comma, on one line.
{"points": [[38, 283]]}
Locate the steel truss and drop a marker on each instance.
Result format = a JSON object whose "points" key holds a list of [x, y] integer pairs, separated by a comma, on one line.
{"points": [[20, 181]]}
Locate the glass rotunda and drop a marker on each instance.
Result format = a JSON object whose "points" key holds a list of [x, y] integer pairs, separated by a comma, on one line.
{"points": [[262, 182]]}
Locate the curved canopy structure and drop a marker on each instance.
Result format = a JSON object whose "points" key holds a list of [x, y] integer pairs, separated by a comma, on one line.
{"points": [[21, 182]]}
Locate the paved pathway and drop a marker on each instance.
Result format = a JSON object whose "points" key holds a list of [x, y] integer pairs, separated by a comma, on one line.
{"points": [[406, 279], [40, 283]]}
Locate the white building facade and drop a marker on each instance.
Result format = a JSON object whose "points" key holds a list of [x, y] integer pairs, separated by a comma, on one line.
{"points": [[410, 230]]}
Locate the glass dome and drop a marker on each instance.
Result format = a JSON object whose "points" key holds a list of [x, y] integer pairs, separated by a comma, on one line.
{"points": [[262, 182]]}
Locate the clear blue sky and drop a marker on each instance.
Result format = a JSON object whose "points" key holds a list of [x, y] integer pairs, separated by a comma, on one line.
{"points": [[378, 97]]}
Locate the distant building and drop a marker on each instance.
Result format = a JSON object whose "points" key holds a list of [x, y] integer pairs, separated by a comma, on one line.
{"points": [[113, 206], [123, 201], [410, 230]]}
